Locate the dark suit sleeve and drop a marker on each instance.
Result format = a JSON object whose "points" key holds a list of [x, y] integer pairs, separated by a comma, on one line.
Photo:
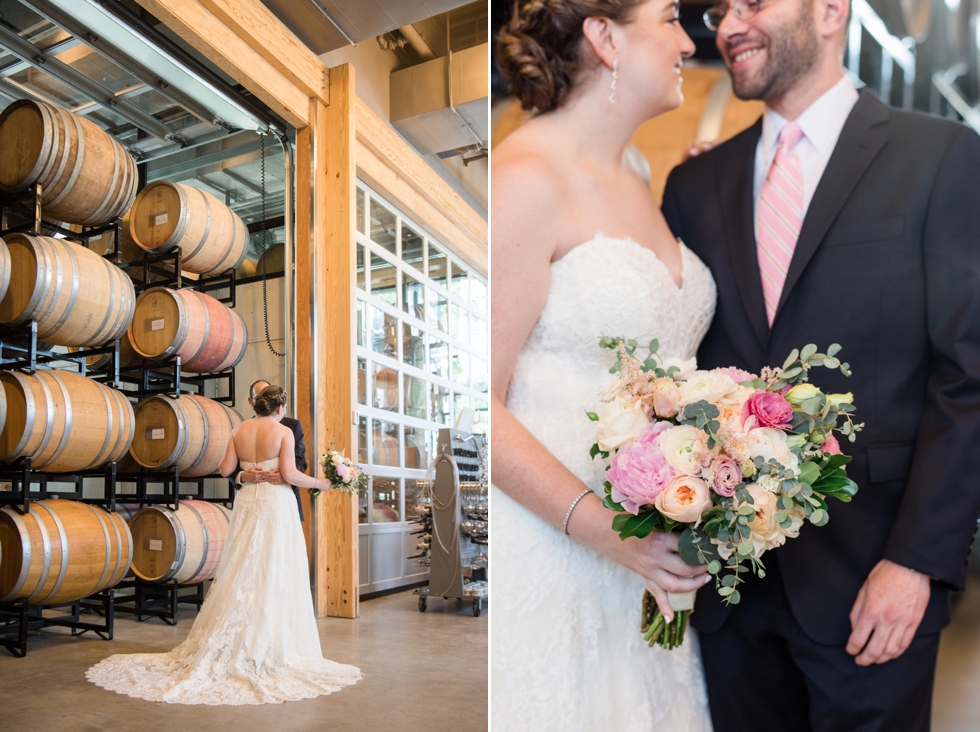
{"points": [[301, 464], [937, 517], [231, 478], [670, 207]]}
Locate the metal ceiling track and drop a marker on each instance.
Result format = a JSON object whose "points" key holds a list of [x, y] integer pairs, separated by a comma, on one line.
{"points": [[46, 62]]}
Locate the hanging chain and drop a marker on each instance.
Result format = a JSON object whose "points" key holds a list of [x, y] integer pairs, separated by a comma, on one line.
{"points": [[265, 260]]}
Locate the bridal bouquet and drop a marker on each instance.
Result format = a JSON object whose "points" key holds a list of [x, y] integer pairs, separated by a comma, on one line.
{"points": [[344, 474], [734, 461]]}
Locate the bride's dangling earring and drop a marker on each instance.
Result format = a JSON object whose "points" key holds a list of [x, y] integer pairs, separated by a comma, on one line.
{"points": [[612, 87]]}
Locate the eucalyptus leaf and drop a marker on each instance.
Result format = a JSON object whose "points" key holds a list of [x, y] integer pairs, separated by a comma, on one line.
{"points": [[808, 350], [745, 548], [793, 355], [834, 349], [735, 598], [714, 567], [725, 591]]}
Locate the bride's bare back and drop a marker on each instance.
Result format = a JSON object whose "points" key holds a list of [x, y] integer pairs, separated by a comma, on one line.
{"points": [[259, 439]]}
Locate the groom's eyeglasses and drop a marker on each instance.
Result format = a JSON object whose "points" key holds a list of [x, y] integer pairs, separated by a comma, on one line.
{"points": [[742, 9]]}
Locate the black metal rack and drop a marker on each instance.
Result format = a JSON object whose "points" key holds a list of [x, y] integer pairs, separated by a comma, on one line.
{"points": [[19, 617], [157, 599]]}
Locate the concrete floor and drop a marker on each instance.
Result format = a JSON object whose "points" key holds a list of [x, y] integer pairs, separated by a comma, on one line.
{"points": [[956, 699], [422, 671]]}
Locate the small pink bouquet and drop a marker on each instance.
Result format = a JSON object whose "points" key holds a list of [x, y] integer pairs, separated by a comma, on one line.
{"points": [[733, 461], [344, 474]]}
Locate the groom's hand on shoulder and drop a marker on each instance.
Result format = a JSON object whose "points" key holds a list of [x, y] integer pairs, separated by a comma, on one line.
{"points": [[887, 613]]}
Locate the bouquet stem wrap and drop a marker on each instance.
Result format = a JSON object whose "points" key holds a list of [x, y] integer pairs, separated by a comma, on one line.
{"points": [[654, 626]]}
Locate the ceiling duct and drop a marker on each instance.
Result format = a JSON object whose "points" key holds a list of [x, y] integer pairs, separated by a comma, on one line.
{"points": [[326, 25], [443, 104]]}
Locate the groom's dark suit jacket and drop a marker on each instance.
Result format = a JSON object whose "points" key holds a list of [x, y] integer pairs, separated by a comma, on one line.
{"points": [[888, 266], [299, 453]]}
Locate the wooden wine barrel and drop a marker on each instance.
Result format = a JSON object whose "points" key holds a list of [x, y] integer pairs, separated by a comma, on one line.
{"points": [[211, 236], [184, 545], [77, 297], [127, 510], [207, 335], [63, 421], [246, 268], [97, 362], [385, 388], [61, 551], [386, 451], [86, 176], [273, 259], [4, 268], [191, 432]]}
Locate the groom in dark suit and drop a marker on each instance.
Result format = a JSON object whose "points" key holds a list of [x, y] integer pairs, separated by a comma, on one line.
{"points": [[836, 219], [258, 475]]}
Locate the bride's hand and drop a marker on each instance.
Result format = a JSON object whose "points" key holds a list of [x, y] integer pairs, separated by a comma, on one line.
{"points": [[655, 558]]}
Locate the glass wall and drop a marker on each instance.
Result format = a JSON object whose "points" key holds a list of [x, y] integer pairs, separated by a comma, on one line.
{"points": [[422, 343]]}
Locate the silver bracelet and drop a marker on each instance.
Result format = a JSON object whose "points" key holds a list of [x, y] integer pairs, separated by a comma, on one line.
{"points": [[571, 508]]}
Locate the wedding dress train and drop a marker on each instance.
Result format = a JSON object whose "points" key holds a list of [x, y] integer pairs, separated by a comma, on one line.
{"points": [[255, 639], [567, 654]]}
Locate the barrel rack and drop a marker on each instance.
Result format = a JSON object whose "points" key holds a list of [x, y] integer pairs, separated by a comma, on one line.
{"points": [[19, 350]]}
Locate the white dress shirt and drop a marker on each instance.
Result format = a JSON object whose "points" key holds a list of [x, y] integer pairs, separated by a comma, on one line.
{"points": [[821, 123]]}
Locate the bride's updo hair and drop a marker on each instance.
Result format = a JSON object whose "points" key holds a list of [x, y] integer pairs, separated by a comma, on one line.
{"points": [[269, 400], [542, 51]]}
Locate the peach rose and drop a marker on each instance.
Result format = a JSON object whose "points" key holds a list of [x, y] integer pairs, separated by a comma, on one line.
{"points": [[684, 499]]}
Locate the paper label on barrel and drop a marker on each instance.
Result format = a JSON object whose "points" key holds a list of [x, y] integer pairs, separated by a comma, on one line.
{"points": [[155, 433], [154, 545], [159, 219], [157, 324]]}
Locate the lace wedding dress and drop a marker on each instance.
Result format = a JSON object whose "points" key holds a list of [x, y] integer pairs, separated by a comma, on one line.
{"points": [[566, 653], [255, 639]]}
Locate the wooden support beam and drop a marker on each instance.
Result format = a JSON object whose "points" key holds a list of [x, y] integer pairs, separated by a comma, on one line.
{"points": [[219, 43], [332, 194], [270, 38], [386, 160], [302, 325]]}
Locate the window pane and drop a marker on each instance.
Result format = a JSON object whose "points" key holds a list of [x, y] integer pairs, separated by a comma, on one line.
{"points": [[416, 453], [438, 265], [438, 358], [384, 441], [362, 440], [461, 367], [413, 297], [385, 509], [361, 381], [361, 325], [385, 388], [482, 422], [460, 283], [438, 311], [440, 405], [383, 227], [478, 292], [384, 280], [362, 504], [384, 333], [412, 247], [359, 224], [415, 397], [478, 374], [360, 267], [478, 334], [459, 324], [414, 490], [413, 346], [460, 402]]}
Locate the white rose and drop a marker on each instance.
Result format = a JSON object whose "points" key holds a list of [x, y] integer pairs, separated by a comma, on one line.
{"points": [[684, 499], [770, 444], [708, 386], [680, 446], [685, 369], [621, 422]]}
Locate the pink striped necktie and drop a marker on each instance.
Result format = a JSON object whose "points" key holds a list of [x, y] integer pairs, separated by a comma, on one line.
{"points": [[780, 216]]}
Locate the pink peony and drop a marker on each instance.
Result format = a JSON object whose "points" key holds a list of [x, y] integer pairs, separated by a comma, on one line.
{"points": [[639, 471], [342, 470], [726, 474], [736, 375], [769, 409], [830, 445]]}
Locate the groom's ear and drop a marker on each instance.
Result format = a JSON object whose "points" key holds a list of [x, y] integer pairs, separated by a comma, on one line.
{"points": [[831, 18], [600, 38]]}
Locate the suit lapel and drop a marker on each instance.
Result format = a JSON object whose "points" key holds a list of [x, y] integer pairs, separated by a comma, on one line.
{"points": [[858, 145], [735, 186]]}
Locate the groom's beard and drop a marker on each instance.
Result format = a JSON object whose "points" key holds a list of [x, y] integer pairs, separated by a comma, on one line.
{"points": [[792, 53]]}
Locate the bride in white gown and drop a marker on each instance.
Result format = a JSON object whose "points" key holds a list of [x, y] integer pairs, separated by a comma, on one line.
{"points": [[580, 250], [255, 640]]}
